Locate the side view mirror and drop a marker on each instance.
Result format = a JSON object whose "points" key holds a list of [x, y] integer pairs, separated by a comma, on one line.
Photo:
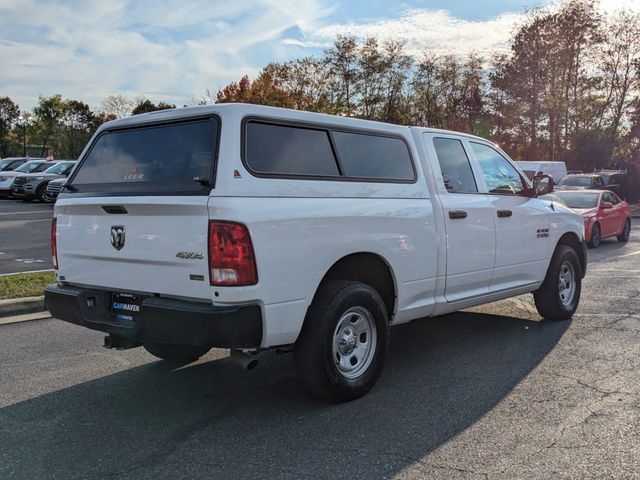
{"points": [[543, 184], [607, 205]]}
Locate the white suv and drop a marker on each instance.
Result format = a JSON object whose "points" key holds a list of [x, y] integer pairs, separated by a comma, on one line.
{"points": [[251, 228]]}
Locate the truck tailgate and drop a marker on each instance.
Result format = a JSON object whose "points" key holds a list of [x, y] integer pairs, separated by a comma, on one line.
{"points": [[139, 244]]}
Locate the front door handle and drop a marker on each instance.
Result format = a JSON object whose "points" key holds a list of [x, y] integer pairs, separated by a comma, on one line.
{"points": [[504, 213], [456, 214]]}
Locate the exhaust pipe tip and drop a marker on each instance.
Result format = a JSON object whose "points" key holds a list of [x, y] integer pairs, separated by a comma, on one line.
{"points": [[247, 361]]}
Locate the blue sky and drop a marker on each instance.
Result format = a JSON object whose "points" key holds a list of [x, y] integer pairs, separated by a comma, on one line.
{"points": [[174, 50]]}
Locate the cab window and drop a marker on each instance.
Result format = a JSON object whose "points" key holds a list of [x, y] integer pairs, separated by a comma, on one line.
{"points": [[500, 176], [454, 165]]}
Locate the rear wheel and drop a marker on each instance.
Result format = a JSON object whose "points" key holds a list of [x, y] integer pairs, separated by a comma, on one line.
{"points": [[344, 341], [175, 353], [626, 231], [596, 236], [559, 295]]}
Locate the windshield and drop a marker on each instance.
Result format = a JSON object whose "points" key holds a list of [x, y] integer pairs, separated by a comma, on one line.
{"points": [[6, 162], [575, 181], [28, 167], [43, 166], [579, 199], [60, 168], [172, 158]]}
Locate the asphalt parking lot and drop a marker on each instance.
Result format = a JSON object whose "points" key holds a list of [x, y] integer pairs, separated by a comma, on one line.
{"points": [[24, 236], [493, 392]]}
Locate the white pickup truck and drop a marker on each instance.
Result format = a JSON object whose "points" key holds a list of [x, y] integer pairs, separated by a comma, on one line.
{"points": [[253, 228]]}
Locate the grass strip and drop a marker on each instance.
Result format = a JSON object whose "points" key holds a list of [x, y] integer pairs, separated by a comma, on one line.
{"points": [[25, 284]]}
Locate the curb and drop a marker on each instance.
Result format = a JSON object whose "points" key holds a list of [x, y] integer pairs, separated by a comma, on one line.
{"points": [[18, 306]]}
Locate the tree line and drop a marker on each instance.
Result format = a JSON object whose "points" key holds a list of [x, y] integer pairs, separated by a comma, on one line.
{"points": [[567, 89], [61, 127]]}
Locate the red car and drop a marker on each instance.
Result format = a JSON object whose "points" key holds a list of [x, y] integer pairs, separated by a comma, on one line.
{"points": [[605, 214]]}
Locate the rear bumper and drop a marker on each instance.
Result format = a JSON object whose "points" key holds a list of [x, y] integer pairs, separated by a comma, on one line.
{"points": [[160, 320]]}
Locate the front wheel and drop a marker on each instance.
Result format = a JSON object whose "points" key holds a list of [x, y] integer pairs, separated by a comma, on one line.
{"points": [[344, 341], [626, 232], [175, 353], [559, 295]]}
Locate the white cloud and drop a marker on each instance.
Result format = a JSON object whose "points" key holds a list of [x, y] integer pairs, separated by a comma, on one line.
{"points": [[435, 31], [169, 52]]}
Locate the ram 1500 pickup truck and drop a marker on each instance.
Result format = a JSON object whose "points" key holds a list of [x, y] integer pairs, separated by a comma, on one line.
{"points": [[253, 228]]}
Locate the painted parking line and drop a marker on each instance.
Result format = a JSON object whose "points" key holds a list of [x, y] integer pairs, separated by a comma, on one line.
{"points": [[629, 254], [26, 213], [29, 260]]}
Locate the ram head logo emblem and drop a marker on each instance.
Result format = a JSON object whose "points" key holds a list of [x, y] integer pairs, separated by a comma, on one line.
{"points": [[117, 236]]}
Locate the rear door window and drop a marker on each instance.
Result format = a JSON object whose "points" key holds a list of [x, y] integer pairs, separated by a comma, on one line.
{"points": [[373, 156], [454, 165], [175, 158], [288, 150]]}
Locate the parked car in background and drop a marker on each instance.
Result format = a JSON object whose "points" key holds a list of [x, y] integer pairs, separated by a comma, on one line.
{"points": [[31, 186], [617, 181], [54, 187], [11, 163], [605, 214], [7, 178], [577, 181], [531, 169]]}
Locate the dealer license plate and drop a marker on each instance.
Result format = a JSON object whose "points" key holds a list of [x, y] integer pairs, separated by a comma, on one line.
{"points": [[125, 306]]}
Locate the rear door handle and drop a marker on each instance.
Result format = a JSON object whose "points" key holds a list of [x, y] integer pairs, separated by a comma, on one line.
{"points": [[456, 214], [504, 213]]}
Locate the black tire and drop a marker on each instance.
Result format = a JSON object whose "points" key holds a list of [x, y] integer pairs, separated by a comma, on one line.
{"points": [[40, 193], [626, 232], [596, 236], [176, 353], [314, 350], [549, 299]]}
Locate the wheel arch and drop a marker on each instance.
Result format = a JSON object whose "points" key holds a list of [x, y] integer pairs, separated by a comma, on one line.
{"points": [[570, 239], [369, 268]]}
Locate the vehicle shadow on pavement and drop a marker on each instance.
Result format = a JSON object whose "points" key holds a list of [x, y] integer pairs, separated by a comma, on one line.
{"points": [[212, 420]]}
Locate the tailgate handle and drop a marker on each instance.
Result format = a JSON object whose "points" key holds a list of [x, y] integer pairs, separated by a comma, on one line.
{"points": [[115, 209]]}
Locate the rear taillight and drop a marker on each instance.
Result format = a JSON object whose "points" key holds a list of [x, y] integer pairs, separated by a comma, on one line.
{"points": [[54, 246], [231, 258]]}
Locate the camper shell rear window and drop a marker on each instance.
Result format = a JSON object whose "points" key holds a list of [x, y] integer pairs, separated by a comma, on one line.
{"points": [[170, 158]]}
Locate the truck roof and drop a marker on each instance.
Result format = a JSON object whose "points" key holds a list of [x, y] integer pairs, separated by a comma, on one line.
{"points": [[263, 110]]}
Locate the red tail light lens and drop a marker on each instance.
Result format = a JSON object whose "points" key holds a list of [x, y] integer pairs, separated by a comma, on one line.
{"points": [[231, 258], [54, 246]]}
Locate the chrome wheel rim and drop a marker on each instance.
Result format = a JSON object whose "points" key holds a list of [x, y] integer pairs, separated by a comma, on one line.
{"points": [[567, 283], [354, 342]]}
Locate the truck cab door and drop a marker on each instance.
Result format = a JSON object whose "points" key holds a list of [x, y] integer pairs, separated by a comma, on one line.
{"points": [[522, 223], [468, 218]]}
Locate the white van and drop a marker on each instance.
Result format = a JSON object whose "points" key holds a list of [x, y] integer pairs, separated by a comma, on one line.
{"points": [[556, 169], [253, 228]]}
